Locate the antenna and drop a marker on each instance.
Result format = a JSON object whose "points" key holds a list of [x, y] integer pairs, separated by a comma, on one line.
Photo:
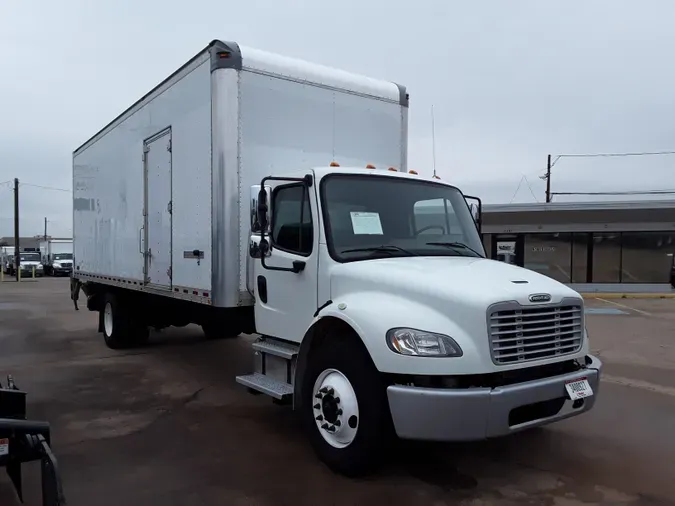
{"points": [[433, 139]]}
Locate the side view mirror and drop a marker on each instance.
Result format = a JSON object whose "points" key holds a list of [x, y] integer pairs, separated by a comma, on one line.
{"points": [[261, 215]]}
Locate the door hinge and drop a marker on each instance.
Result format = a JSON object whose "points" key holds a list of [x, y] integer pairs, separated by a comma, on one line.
{"points": [[169, 207], [168, 146]]}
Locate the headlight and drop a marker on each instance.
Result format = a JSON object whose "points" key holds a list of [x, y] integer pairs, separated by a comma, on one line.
{"points": [[419, 343], [39, 266]]}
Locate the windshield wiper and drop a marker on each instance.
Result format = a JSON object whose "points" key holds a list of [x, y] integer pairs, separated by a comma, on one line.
{"points": [[385, 248], [457, 245]]}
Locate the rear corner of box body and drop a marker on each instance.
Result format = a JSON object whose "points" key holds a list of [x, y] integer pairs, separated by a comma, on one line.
{"points": [[226, 192], [111, 188]]}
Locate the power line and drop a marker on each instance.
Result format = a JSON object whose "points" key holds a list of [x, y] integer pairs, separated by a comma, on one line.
{"points": [[46, 187], [610, 155], [530, 187], [517, 188], [551, 162], [635, 192], [596, 155]]}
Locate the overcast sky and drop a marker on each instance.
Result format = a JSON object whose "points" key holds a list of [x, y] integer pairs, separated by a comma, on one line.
{"points": [[510, 82]]}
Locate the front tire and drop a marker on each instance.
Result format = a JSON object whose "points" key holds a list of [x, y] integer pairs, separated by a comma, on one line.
{"points": [[344, 407]]}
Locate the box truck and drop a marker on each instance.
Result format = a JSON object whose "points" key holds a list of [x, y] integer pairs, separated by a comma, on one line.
{"points": [[57, 256], [254, 193]]}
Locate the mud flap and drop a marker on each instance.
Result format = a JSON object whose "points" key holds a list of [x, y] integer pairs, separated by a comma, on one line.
{"points": [[75, 291]]}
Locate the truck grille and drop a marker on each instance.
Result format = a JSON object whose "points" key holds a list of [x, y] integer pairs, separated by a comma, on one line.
{"points": [[535, 333], [66, 264]]}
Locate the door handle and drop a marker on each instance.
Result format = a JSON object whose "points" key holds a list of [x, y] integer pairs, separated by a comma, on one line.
{"points": [[140, 241]]}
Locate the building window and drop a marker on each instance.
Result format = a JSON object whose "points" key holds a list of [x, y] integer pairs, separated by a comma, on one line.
{"points": [[487, 244], [292, 220], [607, 258], [549, 254], [580, 257], [647, 256]]}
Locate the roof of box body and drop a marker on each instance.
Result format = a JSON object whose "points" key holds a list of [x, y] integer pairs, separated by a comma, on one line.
{"points": [[230, 55]]}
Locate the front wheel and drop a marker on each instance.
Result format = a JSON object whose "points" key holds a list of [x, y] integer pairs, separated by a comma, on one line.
{"points": [[344, 408]]}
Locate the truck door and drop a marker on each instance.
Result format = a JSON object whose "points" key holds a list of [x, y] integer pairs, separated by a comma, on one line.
{"points": [[285, 272], [158, 225]]}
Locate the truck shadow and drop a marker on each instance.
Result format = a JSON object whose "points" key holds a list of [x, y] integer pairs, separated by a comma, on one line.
{"points": [[447, 467]]}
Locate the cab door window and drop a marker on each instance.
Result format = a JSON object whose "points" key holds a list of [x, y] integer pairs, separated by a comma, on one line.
{"points": [[292, 228]]}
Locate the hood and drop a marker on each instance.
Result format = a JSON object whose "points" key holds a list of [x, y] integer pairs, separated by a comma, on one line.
{"points": [[473, 281], [30, 262]]}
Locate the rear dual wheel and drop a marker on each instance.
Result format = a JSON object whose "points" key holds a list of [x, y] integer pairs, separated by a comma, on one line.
{"points": [[121, 326]]}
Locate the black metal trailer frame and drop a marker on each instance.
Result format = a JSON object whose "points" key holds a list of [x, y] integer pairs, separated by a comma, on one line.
{"points": [[22, 441]]}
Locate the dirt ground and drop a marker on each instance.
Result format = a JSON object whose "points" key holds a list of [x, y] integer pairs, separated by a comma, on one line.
{"points": [[167, 424]]}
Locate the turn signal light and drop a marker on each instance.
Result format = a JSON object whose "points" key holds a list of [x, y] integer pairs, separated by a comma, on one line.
{"points": [[412, 172], [392, 169], [435, 177], [370, 166], [334, 164]]}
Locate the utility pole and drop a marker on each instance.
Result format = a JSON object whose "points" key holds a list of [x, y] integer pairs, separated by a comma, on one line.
{"points": [[17, 256], [45, 228], [548, 180]]}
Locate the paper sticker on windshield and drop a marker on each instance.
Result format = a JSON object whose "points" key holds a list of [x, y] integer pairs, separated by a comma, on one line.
{"points": [[366, 223]]}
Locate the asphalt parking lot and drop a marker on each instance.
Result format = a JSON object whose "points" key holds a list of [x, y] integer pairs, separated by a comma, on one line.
{"points": [[167, 424]]}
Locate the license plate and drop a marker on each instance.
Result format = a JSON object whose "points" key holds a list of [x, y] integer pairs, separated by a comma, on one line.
{"points": [[578, 388]]}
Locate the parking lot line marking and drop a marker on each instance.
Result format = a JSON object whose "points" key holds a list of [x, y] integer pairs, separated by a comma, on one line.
{"points": [[643, 385], [625, 307]]}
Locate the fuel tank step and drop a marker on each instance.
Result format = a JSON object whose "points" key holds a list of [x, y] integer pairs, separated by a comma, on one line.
{"points": [[261, 383], [276, 348]]}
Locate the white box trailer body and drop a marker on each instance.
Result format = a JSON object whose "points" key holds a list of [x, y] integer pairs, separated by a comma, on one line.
{"points": [[53, 246], [161, 194]]}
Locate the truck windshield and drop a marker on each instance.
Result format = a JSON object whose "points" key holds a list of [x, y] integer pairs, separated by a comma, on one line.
{"points": [[63, 256], [372, 217], [30, 257]]}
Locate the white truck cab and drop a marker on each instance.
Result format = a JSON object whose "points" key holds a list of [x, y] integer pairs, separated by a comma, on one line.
{"points": [[414, 327], [30, 263]]}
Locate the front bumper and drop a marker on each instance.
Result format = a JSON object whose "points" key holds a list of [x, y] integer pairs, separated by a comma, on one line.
{"points": [[28, 273], [62, 270], [435, 414]]}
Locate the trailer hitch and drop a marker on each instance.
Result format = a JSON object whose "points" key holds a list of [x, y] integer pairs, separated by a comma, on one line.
{"points": [[24, 441]]}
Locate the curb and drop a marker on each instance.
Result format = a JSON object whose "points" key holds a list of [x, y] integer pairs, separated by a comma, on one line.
{"points": [[619, 295]]}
